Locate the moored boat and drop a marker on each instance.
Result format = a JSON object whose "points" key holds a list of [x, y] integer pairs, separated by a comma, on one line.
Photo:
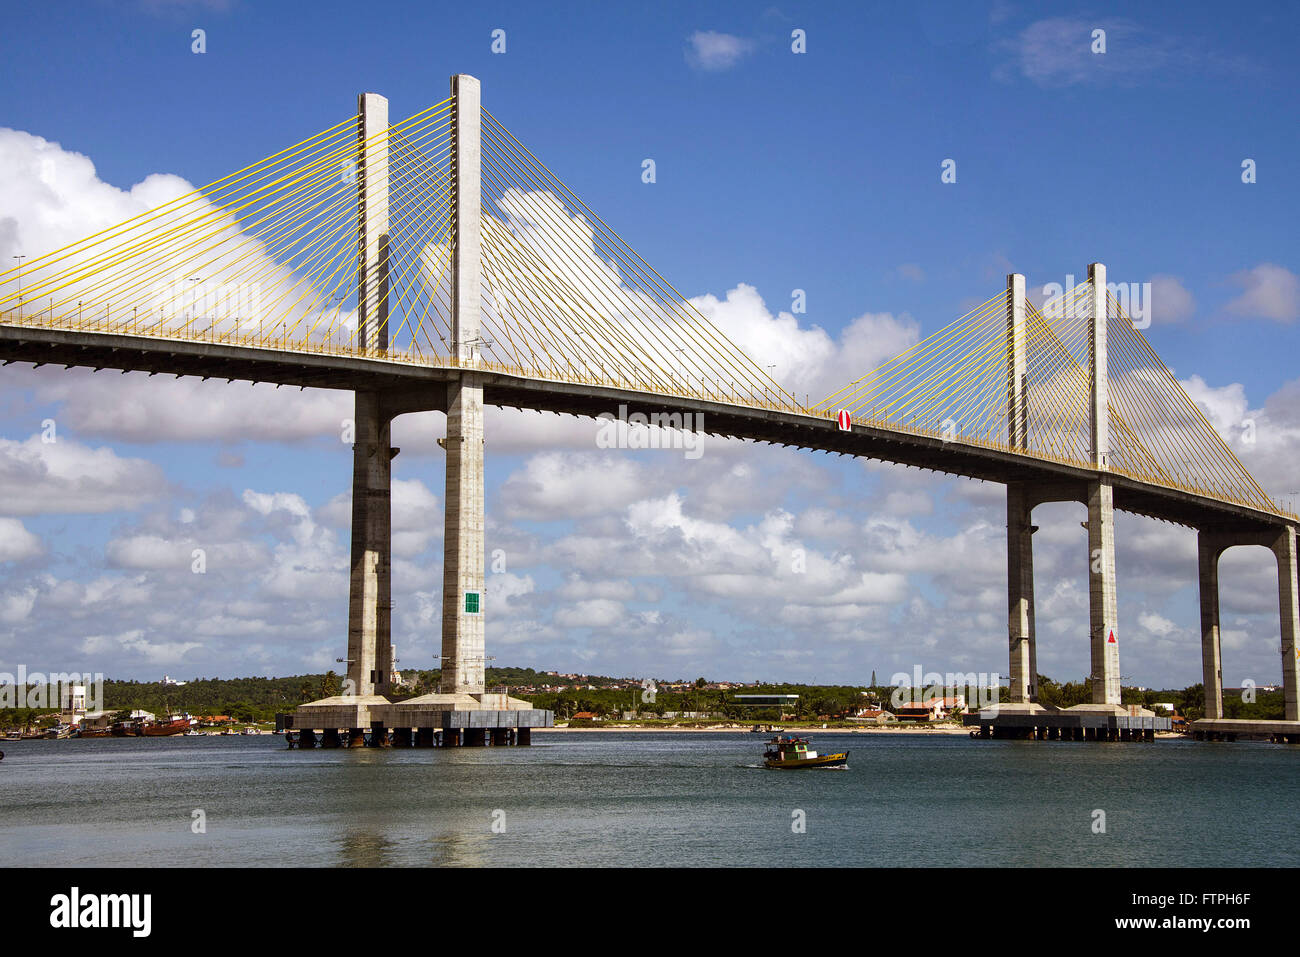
{"points": [[175, 724], [793, 753]]}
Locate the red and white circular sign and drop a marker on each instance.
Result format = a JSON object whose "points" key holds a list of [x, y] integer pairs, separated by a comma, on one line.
{"points": [[844, 419]]}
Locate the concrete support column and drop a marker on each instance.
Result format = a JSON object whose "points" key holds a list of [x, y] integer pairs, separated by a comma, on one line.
{"points": [[1102, 604], [1017, 395], [1099, 384], [1208, 552], [306, 738], [372, 189], [463, 547], [1289, 613], [379, 735], [370, 650], [524, 736], [463, 544], [1020, 594], [330, 738]]}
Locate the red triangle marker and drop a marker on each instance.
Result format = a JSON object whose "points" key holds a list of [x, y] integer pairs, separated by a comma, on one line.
{"points": [[1111, 639]]}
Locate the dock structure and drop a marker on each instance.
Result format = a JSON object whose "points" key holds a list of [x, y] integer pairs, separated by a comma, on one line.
{"points": [[1065, 724], [462, 712]]}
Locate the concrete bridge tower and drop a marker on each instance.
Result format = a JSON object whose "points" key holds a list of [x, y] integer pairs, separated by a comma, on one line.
{"points": [[461, 711]]}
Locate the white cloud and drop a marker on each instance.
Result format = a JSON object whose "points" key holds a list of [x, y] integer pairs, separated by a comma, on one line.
{"points": [[16, 543], [54, 196], [136, 645], [142, 408], [66, 477], [592, 613], [555, 485], [1170, 300], [17, 605], [1058, 51], [807, 359], [1270, 292], [710, 50]]}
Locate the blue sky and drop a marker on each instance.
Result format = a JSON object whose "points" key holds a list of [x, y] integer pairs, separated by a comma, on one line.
{"points": [[817, 171]]}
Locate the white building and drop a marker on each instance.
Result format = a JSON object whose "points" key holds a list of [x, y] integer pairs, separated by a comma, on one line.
{"points": [[73, 704]]}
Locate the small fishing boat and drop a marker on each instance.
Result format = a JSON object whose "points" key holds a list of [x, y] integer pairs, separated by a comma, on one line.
{"points": [[794, 753]]}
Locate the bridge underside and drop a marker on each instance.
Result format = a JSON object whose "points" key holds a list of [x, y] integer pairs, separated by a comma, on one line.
{"points": [[408, 387]]}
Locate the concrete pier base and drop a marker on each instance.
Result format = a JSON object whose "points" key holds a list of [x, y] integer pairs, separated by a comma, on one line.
{"points": [[475, 737], [402, 738], [379, 735], [1081, 723], [307, 739], [1234, 729], [330, 738], [424, 738]]}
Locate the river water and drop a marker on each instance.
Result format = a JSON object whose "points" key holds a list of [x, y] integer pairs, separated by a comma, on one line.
{"points": [[658, 799]]}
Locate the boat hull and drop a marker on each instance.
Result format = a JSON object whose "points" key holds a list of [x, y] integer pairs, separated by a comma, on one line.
{"points": [[165, 730], [838, 760]]}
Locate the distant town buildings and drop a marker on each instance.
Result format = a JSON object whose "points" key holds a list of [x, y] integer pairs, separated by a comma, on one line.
{"points": [[934, 710]]}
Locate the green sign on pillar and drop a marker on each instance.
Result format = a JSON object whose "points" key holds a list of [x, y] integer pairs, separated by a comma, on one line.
{"points": [[472, 606]]}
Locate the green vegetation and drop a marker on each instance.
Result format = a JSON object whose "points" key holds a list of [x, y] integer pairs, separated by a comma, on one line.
{"points": [[252, 700]]}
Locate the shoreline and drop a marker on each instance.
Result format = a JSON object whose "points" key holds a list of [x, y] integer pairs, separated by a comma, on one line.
{"points": [[736, 729], [959, 730]]}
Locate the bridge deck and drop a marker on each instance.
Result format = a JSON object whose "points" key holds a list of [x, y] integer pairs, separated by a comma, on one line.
{"points": [[411, 387]]}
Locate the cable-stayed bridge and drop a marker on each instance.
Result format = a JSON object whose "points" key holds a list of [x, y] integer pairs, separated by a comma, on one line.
{"points": [[437, 264]]}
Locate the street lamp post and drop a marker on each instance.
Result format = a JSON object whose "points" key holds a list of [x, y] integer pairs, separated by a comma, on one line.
{"points": [[20, 285]]}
